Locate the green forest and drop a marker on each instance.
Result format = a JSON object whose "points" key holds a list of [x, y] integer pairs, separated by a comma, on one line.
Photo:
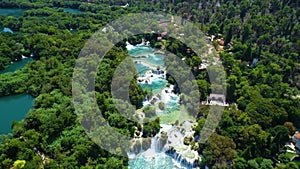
{"points": [[258, 42]]}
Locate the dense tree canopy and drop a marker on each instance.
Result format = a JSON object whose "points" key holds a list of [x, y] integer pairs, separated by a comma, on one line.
{"points": [[260, 55]]}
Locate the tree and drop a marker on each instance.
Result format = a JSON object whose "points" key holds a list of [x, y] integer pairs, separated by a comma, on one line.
{"points": [[213, 29], [253, 164], [253, 140], [290, 126], [246, 33], [292, 165], [219, 150], [240, 163], [150, 111], [280, 136], [161, 105], [283, 158], [196, 61], [266, 164], [247, 56], [19, 164], [231, 88], [228, 36]]}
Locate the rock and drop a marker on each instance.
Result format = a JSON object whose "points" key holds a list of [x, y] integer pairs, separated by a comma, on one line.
{"points": [[187, 140], [137, 133], [137, 147], [182, 160], [146, 143], [195, 146]]}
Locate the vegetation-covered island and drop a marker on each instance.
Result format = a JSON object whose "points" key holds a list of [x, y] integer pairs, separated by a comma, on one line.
{"points": [[257, 42]]}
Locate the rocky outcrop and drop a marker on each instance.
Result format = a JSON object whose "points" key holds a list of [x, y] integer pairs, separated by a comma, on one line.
{"points": [[183, 161], [139, 145]]}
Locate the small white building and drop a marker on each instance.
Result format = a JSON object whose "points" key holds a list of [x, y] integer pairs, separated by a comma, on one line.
{"points": [[296, 140], [217, 99]]}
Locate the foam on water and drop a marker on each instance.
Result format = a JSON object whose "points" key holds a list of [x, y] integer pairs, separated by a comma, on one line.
{"points": [[129, 46], [136, 51]]}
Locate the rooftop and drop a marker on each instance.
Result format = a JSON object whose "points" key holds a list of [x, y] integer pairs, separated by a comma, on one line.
{"points": [[297, 135]]}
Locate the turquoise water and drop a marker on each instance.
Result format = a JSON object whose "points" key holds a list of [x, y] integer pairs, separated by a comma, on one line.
{"points": [[7, 30], [16, 65], [74, 11], [172, 105], [13, 108], [11, 12], [73, 31], [157, 85], [149, 56], [160, 161], [140, 51], [153, 59], [156, 60], [141, 68]]}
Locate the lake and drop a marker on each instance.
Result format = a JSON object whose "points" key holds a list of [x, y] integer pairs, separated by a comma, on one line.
{"points": [[16, 65], [74, 11], [13, 108], [11, 12]]}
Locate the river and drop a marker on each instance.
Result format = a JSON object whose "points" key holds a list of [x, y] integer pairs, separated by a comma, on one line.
{"points": [[74, 11], [11, 12], [147, 60], [14, 107], [17, 12], [14, 66]]}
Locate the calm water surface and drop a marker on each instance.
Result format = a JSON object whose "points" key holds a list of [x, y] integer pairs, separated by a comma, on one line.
{"points": [[11, 12], [74, 11], [13, 108], [16, 65]]}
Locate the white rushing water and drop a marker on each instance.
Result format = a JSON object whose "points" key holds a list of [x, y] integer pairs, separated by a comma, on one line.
{"points": [[159, 153]]}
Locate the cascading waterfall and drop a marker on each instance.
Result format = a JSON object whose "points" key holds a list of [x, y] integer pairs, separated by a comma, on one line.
{"points": [[165, 149], [158, 145], [168, 143]]}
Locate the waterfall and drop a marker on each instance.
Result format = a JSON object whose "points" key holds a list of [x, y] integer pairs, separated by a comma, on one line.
{"points": [[129, 46], [147, 43], [169, 141], [158, 145], [141, 142]]}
